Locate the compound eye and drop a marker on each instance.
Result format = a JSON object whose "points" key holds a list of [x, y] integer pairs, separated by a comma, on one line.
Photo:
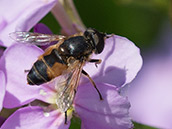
{"points": [[96, 39], [89, 32]]}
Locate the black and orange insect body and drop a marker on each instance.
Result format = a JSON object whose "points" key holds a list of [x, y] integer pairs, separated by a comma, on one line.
{"points": [[46, 68], [64, 60]]}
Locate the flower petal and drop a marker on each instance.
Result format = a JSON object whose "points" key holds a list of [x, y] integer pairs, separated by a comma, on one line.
{"points": [[2, 89], [111, 112], [151, 93], [48, 92], [121, 60], [22, 17], [15, 60], [42, 28], [35, 118], [2, 120], [70, 22], [1, 51]]}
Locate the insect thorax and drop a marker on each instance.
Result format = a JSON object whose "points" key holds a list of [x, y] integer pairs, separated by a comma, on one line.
{"points": [[76, 47]]}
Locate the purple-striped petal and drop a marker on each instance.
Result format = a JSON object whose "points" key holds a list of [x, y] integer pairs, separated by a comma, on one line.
{"points": [[109, 113], [35, 118]]}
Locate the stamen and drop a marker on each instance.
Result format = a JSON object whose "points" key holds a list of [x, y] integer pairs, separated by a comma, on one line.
{"points": [[42, 92], [46, 114]]}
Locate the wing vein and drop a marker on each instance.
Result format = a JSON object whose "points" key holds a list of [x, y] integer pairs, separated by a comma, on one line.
{"points": [[67, 85]]}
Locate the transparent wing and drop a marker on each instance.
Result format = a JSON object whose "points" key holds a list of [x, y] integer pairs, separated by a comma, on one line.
{"points": [[35, 38], [66, 86]]}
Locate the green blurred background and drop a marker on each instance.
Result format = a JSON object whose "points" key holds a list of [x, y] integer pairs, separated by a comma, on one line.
{"points": [[138, 20]]}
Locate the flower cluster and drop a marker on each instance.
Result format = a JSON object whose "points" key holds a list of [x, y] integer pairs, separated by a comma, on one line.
{"points": [[121, 62]]}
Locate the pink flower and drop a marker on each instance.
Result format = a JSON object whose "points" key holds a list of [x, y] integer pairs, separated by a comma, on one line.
{"points": [[121, 62], [151, 92], [21, 17]]}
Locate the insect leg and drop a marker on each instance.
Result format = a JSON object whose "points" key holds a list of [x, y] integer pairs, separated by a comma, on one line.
{"points": [[74, 92], [86, 74], [65, 117], [96, 61]]}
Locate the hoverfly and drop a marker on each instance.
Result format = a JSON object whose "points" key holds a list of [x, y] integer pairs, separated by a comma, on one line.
{"points": [[65, 59]]}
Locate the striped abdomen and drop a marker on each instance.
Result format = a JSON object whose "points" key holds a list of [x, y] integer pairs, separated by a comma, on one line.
{"points": [[46, 68]]}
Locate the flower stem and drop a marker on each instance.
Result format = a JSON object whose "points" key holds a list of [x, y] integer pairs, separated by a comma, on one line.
{"points": [[68, 17]]}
